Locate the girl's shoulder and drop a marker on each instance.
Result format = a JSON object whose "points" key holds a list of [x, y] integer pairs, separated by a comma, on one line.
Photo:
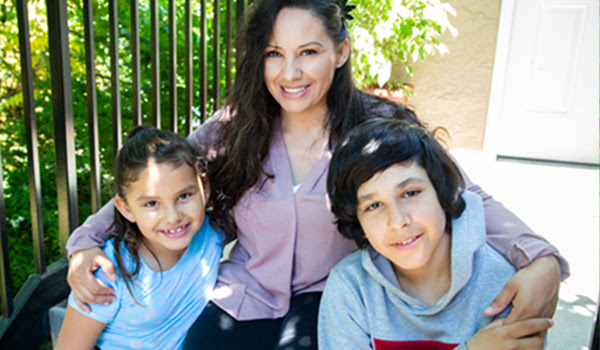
{"points": [[207, 237]]}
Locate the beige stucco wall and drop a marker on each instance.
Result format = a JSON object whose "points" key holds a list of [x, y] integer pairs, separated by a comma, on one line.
{"points": [[453, 90]]}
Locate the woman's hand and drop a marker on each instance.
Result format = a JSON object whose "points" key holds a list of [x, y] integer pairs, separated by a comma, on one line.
{"points": [[85, 287], [533, 291], [520, 335]]}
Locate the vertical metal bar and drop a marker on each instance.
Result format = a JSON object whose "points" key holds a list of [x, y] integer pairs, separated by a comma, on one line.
{"points": [[113, 22], [228, 34], [155, 57], [173, 65], [62, 109], [203, 62], [88, 20], [135, 62], [216, 55], [33, 163], [240, 7], [189, 85], [6, 296]]}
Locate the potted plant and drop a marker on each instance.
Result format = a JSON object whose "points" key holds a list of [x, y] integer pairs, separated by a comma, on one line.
{"points": [[395, 32]]}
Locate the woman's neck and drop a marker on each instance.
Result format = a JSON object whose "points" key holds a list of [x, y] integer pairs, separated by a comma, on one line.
{"points": [[309, 124], [305, 138]]}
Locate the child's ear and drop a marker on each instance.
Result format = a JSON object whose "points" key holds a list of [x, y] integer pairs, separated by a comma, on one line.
{"points": [[123, 208]]}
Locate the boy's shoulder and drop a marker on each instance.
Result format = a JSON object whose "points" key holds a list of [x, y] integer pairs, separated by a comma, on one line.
{"points": [[495, 262], [351, 264], [362, 269], [349, 270]]}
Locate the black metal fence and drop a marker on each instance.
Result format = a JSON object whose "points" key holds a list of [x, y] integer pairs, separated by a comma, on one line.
{"points": [[24, 321]]}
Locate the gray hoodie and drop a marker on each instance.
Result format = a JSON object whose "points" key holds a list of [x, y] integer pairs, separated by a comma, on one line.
{"points": [[364, 307]]}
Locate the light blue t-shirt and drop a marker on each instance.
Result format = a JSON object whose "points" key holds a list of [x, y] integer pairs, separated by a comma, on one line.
{"points": [[170, 301]]}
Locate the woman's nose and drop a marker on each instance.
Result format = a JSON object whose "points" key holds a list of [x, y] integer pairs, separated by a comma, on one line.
{"points": [[291, 69]]}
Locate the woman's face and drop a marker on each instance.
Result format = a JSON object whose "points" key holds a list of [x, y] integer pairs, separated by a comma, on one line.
{"points": [[300, 61]]}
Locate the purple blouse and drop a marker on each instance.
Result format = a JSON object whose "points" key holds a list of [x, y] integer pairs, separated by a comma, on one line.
{"points": [[288, 242]]}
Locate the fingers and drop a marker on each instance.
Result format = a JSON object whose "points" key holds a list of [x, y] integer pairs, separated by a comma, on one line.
{"points": [[529, 327], [522, 335], [107, 266], [530, 343], [85, 287], [503, 299], [536, 290], [79, 300], [495, 323]]}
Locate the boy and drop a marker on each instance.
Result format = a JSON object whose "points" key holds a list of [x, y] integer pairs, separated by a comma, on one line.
{"points": [[424, 274]]}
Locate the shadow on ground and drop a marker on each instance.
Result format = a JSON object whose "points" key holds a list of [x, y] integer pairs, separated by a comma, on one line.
{"points": [[576, 319]]}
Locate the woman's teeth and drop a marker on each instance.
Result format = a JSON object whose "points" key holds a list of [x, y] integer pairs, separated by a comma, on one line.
{"points": [[295, 90]]}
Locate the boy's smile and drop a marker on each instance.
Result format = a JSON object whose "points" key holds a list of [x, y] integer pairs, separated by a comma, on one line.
{"points": [[403, 220]]}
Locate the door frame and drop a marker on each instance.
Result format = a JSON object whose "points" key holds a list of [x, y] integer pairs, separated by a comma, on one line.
{"points": [[490, 140]]}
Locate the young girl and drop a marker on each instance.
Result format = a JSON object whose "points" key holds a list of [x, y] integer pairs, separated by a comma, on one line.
{"points": [[166, 253]]}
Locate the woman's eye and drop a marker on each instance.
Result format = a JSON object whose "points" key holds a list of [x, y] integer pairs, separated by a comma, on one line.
{"points": [[151, 204], [273, 54], [373, 206], [308, 52]]}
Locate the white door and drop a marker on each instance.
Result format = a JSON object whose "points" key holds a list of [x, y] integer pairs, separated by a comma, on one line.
{"points": [[547, 99]]}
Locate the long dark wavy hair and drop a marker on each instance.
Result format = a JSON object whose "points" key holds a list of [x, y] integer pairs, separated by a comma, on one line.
{"points": [[145, 143], [245, 139]]}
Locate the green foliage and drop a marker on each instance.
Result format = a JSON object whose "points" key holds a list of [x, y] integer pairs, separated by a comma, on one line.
{"points": [[389, 32], [12, 127]]}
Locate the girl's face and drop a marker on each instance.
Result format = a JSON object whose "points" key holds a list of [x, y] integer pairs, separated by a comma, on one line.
{"points": [[168, 205], [300, 61]]}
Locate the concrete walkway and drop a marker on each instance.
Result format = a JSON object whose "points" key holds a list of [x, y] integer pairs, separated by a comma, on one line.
{"points": [[561, 203]]}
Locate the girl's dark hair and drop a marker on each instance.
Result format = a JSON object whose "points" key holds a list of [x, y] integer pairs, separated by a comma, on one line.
{"points": [[373, 147], [143, 144], [246, 138]]}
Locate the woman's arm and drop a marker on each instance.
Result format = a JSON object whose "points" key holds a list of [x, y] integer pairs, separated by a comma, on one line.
{"points": [[78, 331], [85, 257], [533, 290], [511, 236], [94, 231]]}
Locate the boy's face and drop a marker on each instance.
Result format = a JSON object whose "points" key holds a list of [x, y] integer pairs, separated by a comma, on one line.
{"points": [[401, 216]]}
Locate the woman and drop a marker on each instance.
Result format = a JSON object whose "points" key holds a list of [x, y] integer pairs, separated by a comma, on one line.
{"points": [[269, 153]]}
